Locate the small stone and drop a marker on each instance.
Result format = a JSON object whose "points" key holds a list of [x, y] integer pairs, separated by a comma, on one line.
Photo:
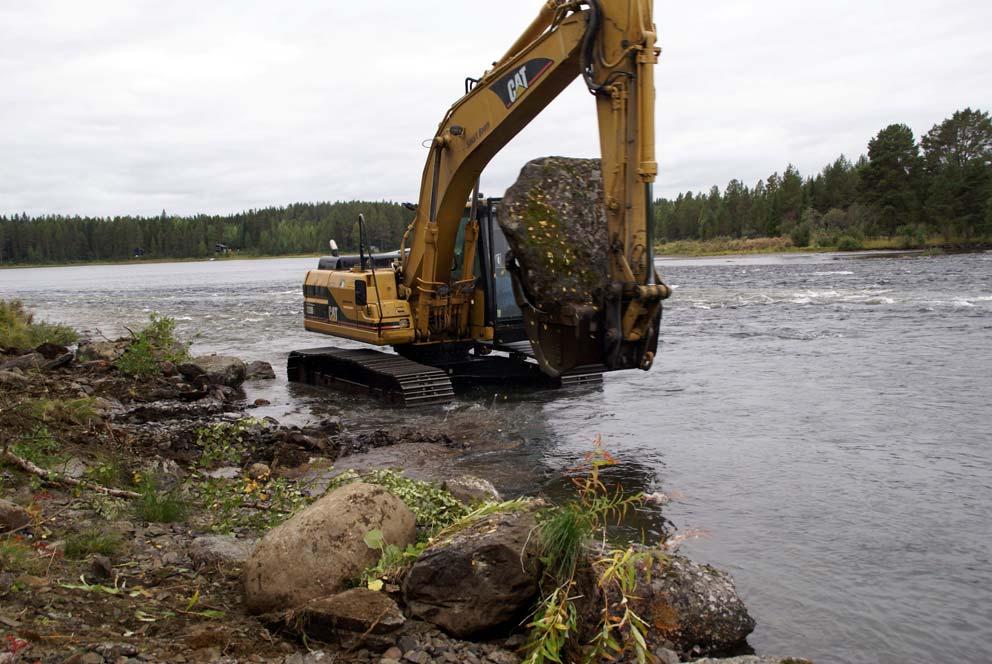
{"points": [[167, 368], [262, 402], [91, 658], [12, 516], [101, 567], [392, 653], [406, 643], [225, 473], [219, 550], [259, 472], [416, 656]]}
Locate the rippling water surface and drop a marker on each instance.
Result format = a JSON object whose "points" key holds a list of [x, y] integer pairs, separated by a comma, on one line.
{"points": [[824, 419]]}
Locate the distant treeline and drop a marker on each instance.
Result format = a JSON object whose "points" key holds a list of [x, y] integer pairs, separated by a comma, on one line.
{"points": [[295, 229], [941, 184]]}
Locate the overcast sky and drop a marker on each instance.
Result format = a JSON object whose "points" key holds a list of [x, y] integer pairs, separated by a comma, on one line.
{"points": [[131, 107]]}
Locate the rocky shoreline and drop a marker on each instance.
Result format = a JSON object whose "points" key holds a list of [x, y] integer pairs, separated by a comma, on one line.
{"points": [[153, 519]]}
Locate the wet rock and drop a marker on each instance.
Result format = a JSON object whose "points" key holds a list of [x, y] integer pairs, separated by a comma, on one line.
{"points": [[26, 362], [51, 351], [259, 370], [470, 489], [106, 351], [167, 368], [214, 370], [320, 549], [483, 577], [692, 608], [554, 219], [171, 410], [354, 618], [56, 362], [223, 550], [12, 516]]}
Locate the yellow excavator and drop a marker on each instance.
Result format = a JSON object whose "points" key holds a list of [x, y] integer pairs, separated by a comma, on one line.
{"points": [[449, 301]]}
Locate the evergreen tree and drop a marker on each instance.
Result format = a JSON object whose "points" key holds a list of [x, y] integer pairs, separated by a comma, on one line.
{"points": [[888, 181]]}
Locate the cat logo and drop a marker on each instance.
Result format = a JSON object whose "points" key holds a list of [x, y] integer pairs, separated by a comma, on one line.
{"points": [[512, 86], [517, 84]]}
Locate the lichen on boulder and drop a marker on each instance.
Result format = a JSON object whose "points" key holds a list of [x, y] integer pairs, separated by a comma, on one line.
{"points": [[554, 219]]}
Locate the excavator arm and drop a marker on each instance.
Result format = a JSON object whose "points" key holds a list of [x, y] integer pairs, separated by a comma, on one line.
{"points": [[611, 45]]}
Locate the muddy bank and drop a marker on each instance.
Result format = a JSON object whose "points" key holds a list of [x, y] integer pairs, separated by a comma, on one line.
{"points": [[130, 506]]}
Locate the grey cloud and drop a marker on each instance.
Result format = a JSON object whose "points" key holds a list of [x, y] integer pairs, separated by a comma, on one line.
{"points": [[131, 107]]}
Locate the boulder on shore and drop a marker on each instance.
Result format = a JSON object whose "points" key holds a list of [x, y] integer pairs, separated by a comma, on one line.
{"points": [[108, 351], [688, 607], [27, 361], [483, 577], [354, 618], [214, 370], [318, 551]]}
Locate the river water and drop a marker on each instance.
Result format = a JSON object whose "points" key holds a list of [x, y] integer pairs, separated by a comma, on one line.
{"points": [[823, 420]]}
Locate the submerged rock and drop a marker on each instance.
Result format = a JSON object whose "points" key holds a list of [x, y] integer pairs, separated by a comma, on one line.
{"points": [[259, 370], [483, 577], [318, 551], [554, 219]]}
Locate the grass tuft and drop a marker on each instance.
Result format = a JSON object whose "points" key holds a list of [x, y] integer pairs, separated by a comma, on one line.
{"points": [[152, 345], [154, 506], [91, 541], [18, 329]]}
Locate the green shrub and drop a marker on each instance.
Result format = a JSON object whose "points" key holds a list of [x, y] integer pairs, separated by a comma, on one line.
{"points": [[18, 329], [39, 447], [152, 345], [564, 533], [849, 243], [912, 236], [83, 544], [801, 234]]}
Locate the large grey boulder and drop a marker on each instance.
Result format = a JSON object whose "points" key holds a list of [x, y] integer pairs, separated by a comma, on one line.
{"points": [[318, 551], [483, 577], [554, 219], [214, 370], [689, 607]]}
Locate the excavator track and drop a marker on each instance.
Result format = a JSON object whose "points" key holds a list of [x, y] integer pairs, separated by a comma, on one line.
{"points": [[384, 375]]}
